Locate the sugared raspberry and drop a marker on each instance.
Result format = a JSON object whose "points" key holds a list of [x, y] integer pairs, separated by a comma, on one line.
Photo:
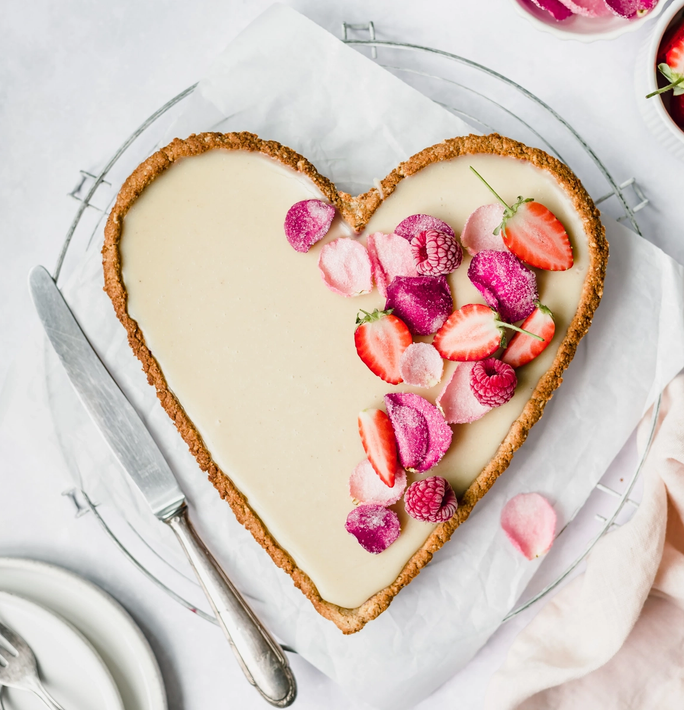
{"points": [[431, 500], [493, 382], [436, 253]]}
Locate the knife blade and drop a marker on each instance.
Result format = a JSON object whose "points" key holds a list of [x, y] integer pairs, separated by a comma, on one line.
{"points": [[260, 657]]}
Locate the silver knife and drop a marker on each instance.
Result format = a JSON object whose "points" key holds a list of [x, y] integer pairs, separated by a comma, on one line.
{"points": [[260, 657]]}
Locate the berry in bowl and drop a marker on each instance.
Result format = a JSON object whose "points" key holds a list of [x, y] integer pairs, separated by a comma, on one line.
{"points": [[660, 80]]}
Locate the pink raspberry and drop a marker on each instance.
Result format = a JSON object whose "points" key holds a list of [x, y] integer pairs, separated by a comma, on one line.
{"points": [[493, 382], [431, 500], [436, 253]]}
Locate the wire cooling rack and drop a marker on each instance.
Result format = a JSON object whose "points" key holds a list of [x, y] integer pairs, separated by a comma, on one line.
{"points": [[488, 102]]}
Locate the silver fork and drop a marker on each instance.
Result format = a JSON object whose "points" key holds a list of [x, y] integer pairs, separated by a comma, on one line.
{"points": [[18, 667]]}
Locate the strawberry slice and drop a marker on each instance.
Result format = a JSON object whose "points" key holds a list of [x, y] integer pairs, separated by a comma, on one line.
{"points": [[381, 339], [379, 443], [533, 233], [674, 55], [523, 349], [536, 237], [473, 332]]}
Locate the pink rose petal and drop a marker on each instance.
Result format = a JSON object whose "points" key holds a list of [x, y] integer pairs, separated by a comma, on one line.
{"points": [[345, 267], [555, 8], [307, 222], [411, 432], [422, 302], [457, 402], [631, 8], [365, 486], [529, 522], [439, 432], [478, 231], [417, 223], [588, 8], [375, 527], [505, 283], [390, 256], [421, 365]]}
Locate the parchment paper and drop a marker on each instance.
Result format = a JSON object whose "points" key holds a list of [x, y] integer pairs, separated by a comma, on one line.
{"points": [[287, 79]]}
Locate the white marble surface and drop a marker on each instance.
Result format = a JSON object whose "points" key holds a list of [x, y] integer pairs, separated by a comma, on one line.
{"points": [[76, 77]]}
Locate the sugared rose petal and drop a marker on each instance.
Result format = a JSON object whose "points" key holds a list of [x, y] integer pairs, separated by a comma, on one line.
{"points": [[307, 222], [365, 485], [555, 8], [631, 8], [431, 500], [345, 267], [457, 402], [587, 8], [529, 522], [505, 283], [422, 302], [411, 432], [390, 256], [478, 231], [417, 223], [438, 431], [375, 527], [421, 365]]}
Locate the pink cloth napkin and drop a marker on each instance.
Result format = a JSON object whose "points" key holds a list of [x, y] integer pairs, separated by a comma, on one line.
{"points": [[614, 637]]}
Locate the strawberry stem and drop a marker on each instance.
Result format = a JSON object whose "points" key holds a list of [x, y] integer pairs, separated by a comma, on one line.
{"points": [[491, 189], [520, 330], [666, 88]]}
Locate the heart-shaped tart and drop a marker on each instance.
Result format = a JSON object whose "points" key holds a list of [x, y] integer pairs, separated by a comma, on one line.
{"points": [[253, 353]]}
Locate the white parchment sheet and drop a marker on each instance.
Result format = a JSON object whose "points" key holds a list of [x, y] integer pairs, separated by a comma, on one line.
{"points": [[287, 79]]}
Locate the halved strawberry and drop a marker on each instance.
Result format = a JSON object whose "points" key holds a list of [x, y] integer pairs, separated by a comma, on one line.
{"points": [[674, 55], [381, 339], [522, 348], [379, 443], [672, 37], [473, 332], [533, 233], [536, 237]]}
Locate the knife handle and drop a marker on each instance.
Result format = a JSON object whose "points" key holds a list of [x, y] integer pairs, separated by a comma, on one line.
{"points": [[262, 660]]}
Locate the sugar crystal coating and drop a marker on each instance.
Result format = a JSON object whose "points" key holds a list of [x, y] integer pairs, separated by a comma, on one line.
{"points": [[631, 8], [529, 522], [457, 402], [374, 526], [436, 253], [555, 8], [478, 231], [421, 365], [417, 223], [505, 283], [307, 222], [422, 302], [439, 432], [390, 257], [411, 431], [587, 8], [345, 267], [431, 500], [493, 382], [365, 486]]}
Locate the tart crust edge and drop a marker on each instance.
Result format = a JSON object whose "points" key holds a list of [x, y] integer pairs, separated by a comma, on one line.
{"points": [[357, 211]]}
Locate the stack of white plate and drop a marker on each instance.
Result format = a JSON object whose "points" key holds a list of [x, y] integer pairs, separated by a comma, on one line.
{"points": [[90, 652]]}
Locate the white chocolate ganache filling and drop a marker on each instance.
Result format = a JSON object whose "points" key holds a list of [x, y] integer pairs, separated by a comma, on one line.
{"points": [[261, 354]]}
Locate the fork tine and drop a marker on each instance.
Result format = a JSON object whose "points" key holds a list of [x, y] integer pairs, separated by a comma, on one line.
{"points": [[16, 644]]}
